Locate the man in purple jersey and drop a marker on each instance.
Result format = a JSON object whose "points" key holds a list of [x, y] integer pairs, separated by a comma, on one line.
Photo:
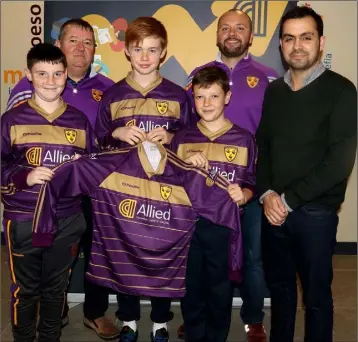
{"points": [[84, 91], [248, 81]]}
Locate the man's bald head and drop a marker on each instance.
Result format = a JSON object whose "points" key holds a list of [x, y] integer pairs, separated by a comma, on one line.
{"points": [[242, 15]]}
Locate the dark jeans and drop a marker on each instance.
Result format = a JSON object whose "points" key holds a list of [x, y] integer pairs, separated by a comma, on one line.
{"points": [[304, 244], [207, 304], [96, 297], [40, 275], [252, 288], [129, 309]]}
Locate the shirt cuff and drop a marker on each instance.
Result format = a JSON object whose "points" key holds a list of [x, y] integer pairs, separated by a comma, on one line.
{"points": [[290, 210], [261, 199], [20, 179]]}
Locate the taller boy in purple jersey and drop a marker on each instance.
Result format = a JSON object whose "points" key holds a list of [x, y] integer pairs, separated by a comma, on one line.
{"points": [[36, 136], [143, 105], [230, 151], [248, 81], [83, 90], [145, 202]]}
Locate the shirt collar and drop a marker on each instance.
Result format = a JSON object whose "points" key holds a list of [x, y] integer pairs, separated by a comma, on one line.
{"points": [[219, 59], [316, 72], [74, 83]]}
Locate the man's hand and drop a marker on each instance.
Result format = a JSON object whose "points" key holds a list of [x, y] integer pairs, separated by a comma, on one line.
{"points": [[274, 209], [131, 134], [40, 175], [198, 160], [161, 135], [237, 194]]}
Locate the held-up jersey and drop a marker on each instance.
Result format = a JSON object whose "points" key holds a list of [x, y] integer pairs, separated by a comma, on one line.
{"points": [[231, 151], [248, 82], [31, 138], [85, 96], [143, 220], [160, 104]]}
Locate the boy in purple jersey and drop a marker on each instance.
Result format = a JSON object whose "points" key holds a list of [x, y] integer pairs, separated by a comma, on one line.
{"points": [[36, 136], [143, 105], [229, 150]]}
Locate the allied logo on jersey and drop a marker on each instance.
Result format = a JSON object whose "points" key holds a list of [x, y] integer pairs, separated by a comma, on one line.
{"points": [[127, 208], [252, 81], [230, 153], [97, 94], [165, 191], [33, 156], [162, 107], [210, 180], [131, 123], [71, 135]]}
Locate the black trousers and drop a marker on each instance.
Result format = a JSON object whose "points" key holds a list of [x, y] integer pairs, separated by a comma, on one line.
{"points": [[303, 245], [207, 304], [96, 297], [40, 275], [129, 309]]}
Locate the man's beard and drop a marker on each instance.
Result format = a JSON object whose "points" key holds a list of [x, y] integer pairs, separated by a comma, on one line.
{"points": [[233, 52], [304, 64]]}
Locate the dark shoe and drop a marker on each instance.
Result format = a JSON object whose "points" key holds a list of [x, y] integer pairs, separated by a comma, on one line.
{"points": [[181, 332], [65, 320], [103, 327], [128, 335], [255, 332], [161, 335]]}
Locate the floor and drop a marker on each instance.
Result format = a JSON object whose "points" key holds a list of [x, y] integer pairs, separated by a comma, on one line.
{"points": [[344, 290]]}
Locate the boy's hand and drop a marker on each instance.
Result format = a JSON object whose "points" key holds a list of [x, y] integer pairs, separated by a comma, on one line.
{"points": [[161, 135], [236, 193], [131, 134], [40, 175], [199, 160], [76, 156]]}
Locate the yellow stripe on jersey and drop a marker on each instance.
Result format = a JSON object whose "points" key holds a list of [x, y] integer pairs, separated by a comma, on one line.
{"points": [[149, 106], [230, 154], [47, 134], [139, 187]]}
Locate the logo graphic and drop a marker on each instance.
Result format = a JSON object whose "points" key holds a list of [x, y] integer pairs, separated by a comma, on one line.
{"points": [[230, 153], [162, 107], [127, 208], [97, 94], [131, 123], [33, 156], [165, 191], [252, 81], [210, 180], [71, 135]]}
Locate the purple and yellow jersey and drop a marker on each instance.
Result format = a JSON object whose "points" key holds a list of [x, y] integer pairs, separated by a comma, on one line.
{"points": [[85, 96], [231, 151], [160, 104], [143, 220], [30, 138], [248, 82]]}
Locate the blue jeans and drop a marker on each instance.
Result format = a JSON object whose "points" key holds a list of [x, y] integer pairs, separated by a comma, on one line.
{"points": [[252, 288]]}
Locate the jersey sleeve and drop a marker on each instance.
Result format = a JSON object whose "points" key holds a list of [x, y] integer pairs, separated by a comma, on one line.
{"points": [[250, 176], [72, 178], [194, 118], [20, 93], [186, 115], [92, 145]]}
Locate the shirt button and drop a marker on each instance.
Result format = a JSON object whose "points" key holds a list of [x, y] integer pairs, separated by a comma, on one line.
{"points": [[75, 91]]}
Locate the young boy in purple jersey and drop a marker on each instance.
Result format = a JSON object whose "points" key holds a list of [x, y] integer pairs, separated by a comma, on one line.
{"points": [[36, 136], [229, 150], [144, 105]]}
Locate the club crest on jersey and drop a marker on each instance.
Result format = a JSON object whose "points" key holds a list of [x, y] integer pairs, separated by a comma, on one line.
{"points": [[97, 94], [71, 135], [33, 156], [162, 107], [131, 123], [252, 81], [210, 180], [165, 191], [230, 153]]}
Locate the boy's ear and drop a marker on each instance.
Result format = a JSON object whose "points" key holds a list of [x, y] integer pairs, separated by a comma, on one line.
{"points": [[164, 51], [28, 74], [228, 97], [126, 51], [58, 43]]}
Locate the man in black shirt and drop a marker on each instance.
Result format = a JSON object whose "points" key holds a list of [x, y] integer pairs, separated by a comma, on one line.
{"points": [[307, 144]]}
